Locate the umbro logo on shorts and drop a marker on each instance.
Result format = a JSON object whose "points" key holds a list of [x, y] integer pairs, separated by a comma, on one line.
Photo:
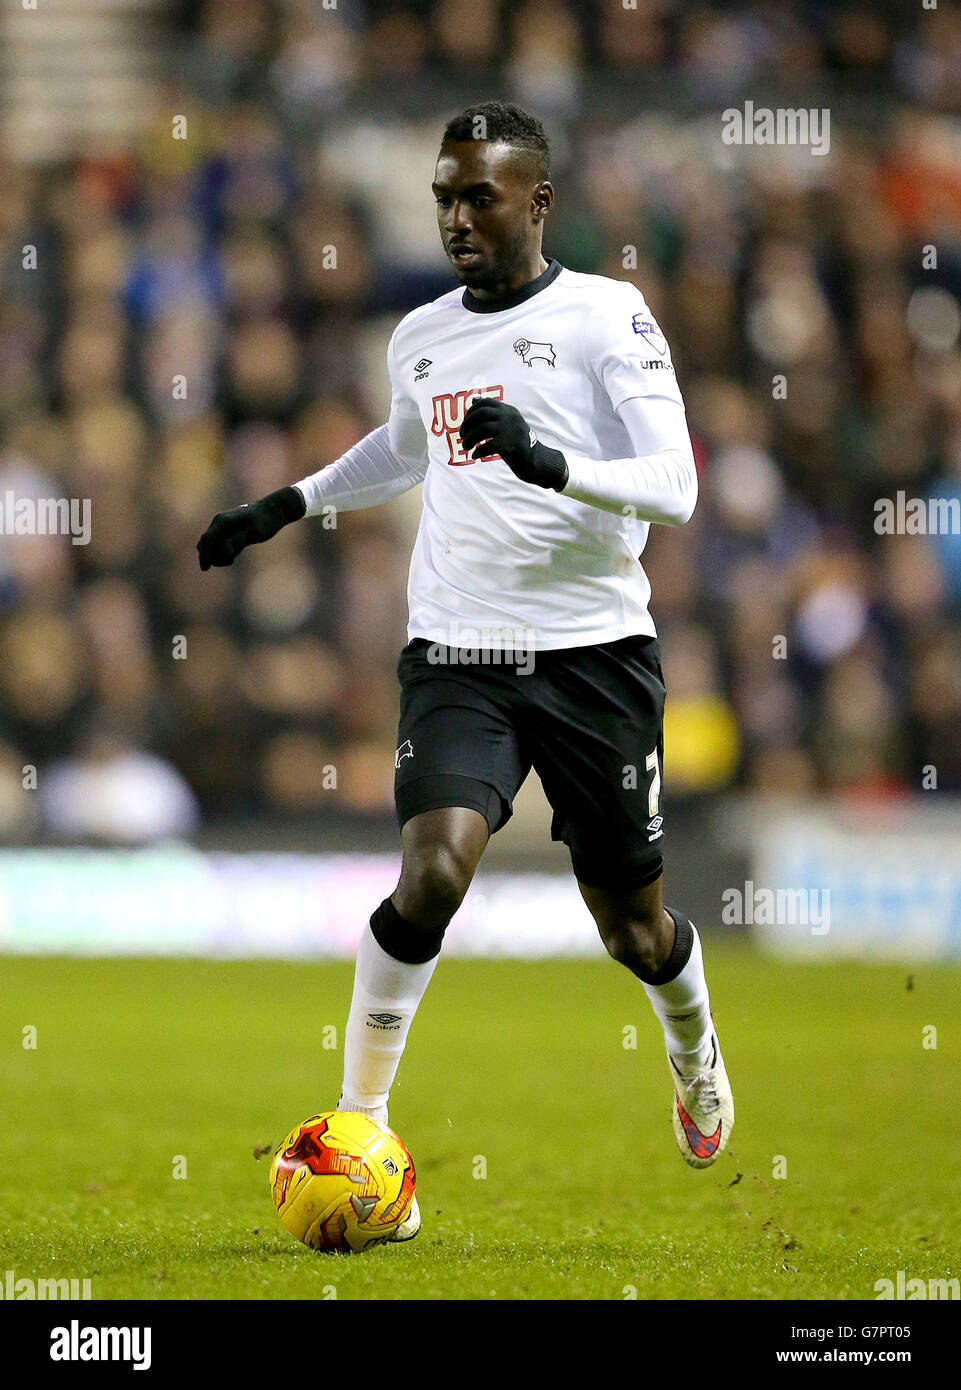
{"points": [[654, 826], [406, 750]]}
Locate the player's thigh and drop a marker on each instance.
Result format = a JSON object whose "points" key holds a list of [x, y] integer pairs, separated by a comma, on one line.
{"points": [[458, 744], [599, 747]]}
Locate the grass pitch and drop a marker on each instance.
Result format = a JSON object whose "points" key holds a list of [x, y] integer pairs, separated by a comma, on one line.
{"points": [[514, 1069]]}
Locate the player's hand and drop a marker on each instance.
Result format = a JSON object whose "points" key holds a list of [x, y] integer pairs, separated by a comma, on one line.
{"points": [[230, 532], [493, 427]]}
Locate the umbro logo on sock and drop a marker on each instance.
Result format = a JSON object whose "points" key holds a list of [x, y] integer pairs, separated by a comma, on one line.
{"points": [[387, 1021]]}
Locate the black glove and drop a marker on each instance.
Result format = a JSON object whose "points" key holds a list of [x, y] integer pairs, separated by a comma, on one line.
{"points": [[507, 433], [229, 532]]}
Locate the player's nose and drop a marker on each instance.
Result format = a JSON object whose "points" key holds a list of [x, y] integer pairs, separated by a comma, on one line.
{"points": [[458, 223]]}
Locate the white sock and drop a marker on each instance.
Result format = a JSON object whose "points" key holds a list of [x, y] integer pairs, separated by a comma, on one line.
{"points": [[684, 1009], [373, 1046]]}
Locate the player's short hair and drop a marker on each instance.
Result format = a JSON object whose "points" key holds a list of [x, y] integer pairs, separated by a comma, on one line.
{"points": [[508, 124]]}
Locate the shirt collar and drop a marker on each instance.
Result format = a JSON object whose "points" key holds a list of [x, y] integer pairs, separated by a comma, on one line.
{"points": [[508, 301]]}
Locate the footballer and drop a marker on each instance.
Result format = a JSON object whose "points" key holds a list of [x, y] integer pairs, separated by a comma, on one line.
{"points": [[540, 409]]}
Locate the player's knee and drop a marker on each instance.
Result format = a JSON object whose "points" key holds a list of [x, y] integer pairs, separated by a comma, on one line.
{"points": [[433, 881]]}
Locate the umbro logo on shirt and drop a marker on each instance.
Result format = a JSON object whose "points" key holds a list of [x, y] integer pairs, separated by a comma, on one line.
{"points": [[406, 750], [421, 368]]}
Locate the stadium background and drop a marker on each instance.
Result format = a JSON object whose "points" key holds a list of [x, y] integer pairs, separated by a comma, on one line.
{"points": [[310, 128], [167, 737]]}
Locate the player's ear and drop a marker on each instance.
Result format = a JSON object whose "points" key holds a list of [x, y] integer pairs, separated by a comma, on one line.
{"points": [[542, 199]]}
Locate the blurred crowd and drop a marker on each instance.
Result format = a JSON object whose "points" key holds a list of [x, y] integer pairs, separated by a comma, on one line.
{"points": [[204, 320]]}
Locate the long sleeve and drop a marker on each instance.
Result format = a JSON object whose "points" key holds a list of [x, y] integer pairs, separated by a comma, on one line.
{"points": [[628, 356], [659, 483], [388, 461], [382, 465]]}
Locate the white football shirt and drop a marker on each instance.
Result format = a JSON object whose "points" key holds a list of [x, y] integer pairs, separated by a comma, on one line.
{"points": [[499, 563]]}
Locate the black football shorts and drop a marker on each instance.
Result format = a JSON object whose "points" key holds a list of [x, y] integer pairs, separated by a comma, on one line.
{"points": [[588, 719]]}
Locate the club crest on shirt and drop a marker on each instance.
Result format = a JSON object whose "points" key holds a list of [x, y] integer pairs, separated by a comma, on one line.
{"points": [[529, 352], [449, 412], [650, 332]]}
